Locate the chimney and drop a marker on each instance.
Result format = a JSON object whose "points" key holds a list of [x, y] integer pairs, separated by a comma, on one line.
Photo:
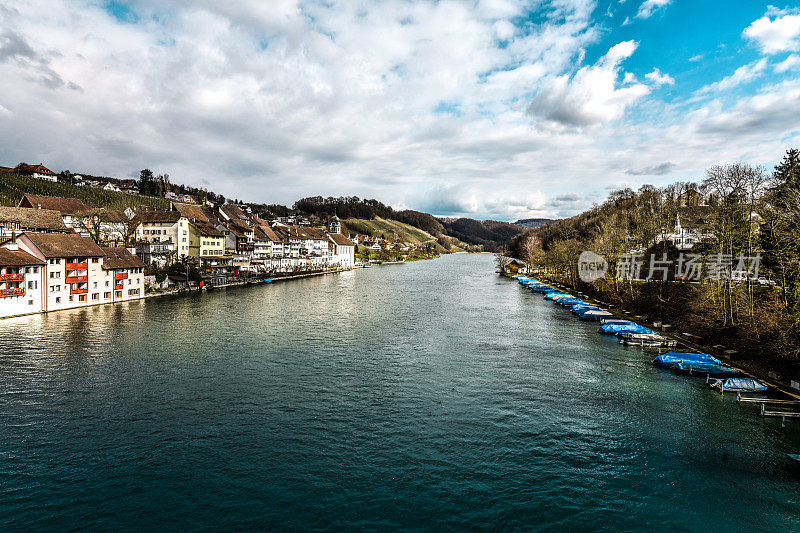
{"points": [[38, 206], [13, 246]]}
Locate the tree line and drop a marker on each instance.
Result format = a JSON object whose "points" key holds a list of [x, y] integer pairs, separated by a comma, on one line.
{"points": [[752, 212]]}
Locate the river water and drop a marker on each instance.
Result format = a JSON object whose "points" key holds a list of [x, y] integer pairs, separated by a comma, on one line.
{"points": [[430, 395]]}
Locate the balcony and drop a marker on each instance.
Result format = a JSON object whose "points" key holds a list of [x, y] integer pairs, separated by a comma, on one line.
{"points": [[121, 275], [78, 266], [76, 279], [12, 277], [78, 289], [7, 293]]}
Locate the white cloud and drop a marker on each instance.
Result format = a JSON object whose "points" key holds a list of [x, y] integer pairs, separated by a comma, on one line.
{"points": [[591, 96], [743, 74], [772, 36], [659, 78], [395, 100], [649, 7], [790, 63]]}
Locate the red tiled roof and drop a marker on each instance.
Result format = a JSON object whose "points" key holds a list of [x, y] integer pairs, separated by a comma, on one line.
{"points": [[120, 258], [340, 239], [17, 258], [24, 169], [33, 219], [64, 245], [70, 206]]}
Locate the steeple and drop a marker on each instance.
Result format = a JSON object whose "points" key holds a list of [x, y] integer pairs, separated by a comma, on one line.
{"points": [[336, 226]]}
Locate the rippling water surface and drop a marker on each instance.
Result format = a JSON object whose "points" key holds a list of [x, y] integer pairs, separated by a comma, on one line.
{"points": [[426, 395]]}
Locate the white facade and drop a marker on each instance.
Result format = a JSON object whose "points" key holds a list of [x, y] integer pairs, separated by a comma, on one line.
{"points": [[46, 177], [20, 287]]}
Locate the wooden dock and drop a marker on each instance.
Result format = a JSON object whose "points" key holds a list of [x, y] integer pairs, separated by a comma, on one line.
{"points": [[771, 401]]}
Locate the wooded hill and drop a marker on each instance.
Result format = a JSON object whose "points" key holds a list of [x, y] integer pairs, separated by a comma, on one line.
{"points": [[750, 211], [489, 235]]}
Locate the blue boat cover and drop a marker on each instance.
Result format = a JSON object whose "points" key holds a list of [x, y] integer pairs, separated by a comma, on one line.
{"points": [[579, 308], [744, 384], [616, 329], [712, 368], [556, 294], [670, 359], [570, 301]]}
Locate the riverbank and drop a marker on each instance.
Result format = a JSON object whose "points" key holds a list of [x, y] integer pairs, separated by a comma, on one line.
{"points": [[688, 340]]}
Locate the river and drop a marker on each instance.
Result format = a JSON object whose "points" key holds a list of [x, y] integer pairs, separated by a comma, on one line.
{"points": [[429, 395]]}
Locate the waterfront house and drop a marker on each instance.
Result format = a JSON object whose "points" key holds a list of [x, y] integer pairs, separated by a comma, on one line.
{"points": [[155, 253], [73, 273], [343, 252], [16, 220], [21, 281], [210, 242], [125, 273]]}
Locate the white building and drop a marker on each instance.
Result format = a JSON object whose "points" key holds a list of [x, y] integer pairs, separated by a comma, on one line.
{"points": [[73, 271], [164, 227], [344, 251], [21, 282]]}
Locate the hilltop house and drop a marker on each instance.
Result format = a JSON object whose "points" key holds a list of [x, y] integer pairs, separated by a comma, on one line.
{"points": [[693, 224], [40, 172]]}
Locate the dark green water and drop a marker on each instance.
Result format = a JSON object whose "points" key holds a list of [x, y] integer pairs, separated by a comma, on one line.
{"points": [[432, 395]]}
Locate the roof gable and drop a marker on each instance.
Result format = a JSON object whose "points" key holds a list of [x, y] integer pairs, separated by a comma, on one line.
{"points": [[64, 245], [70, 206]]}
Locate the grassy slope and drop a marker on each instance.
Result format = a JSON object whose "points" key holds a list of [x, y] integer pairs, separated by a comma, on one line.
{"points": [[13, 187], [393, 231]]}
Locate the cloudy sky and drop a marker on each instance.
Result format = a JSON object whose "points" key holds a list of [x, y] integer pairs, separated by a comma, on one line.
{"points": [[482, 108]]}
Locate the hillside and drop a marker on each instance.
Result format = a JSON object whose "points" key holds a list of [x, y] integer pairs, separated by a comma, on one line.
{"points": [[490, 234], [13, 187], [396, 231]]}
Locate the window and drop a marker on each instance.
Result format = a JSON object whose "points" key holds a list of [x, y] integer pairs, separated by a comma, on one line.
{"points": [[81, 297], [95, 285], [95, 259], [133, 292], [32, 284], [106, 295], [96, 296], [58, 299], [71, 298], [30, 302], [108, 283]]}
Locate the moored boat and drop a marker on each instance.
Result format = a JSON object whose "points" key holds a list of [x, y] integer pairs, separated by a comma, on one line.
{"points": [[619, 329], [649, 340], [670, 359], [706, 369], [738, 385], [595, 314]]}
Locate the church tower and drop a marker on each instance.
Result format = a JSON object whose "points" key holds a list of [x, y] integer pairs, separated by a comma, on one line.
{"points": [[336, 226]]}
